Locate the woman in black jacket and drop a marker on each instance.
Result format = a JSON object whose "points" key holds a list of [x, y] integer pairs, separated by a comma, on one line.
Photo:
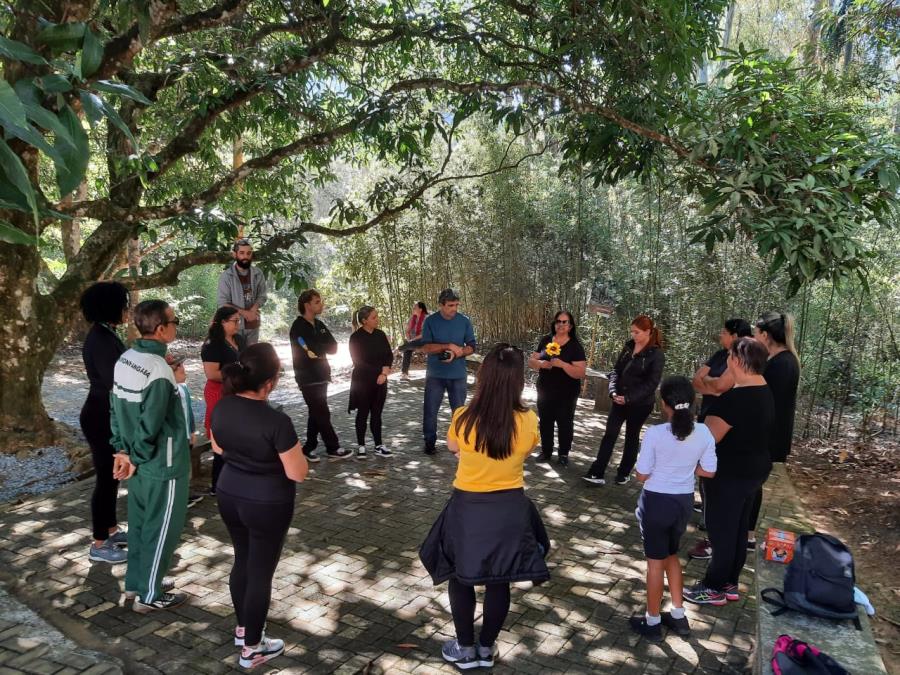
{"points": [[372, 360], [632, 388], [105, 306]]}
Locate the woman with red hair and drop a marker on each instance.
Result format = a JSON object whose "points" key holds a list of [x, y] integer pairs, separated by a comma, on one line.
{"points": [[632, 388]]}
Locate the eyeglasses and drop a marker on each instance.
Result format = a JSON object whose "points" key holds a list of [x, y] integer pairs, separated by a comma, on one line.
{"points": [[174, 321], [562, 321], [236, 319]]}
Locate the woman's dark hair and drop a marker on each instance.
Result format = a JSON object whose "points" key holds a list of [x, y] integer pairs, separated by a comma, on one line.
{"points": [[644, 322], [498, 396], [678, 393], [216, 331], [780, 328], [573, 332], [361, 315], [257, 365], [306, 297], [751, 354], [421, 305], [105, 302], [738, 328]]}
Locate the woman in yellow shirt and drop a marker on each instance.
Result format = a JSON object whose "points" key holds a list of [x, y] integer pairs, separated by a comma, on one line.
{"points": [[489, 533]]}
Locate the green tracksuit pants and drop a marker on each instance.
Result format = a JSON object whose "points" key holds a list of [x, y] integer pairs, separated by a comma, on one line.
{"points": [[156, 513]]}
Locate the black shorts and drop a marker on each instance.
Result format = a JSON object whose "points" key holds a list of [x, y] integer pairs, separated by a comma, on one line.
{"points": [[663, 518]]}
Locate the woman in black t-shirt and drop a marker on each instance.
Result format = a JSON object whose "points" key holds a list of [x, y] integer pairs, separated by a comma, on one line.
{"points": [[558, 384], [776, 332], [263, 463], [741, 421], [105, 306], [220, 348], [712, 378], [372, 360]]}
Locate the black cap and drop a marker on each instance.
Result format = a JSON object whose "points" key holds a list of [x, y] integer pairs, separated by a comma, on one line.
{"points": [[448, 295]]}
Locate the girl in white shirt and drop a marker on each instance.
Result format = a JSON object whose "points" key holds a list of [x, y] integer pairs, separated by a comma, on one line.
{"points": [[672, 454]]}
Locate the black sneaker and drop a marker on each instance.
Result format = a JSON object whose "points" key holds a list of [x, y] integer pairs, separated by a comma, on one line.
{"points": [[563, 460], [639, 626], [312, 456], [698, 507], [340, 453], [485, 656], [428, 450], [701, 595], [361, 452], [593, 479], [266, 650], [193, 500], [543, 459], [751, 544], [166, 585], [679, 626], [621, 480], [165, 601], [381, 451]]}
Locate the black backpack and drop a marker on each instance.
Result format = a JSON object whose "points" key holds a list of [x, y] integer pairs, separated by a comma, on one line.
{"points": [[818, 581]]}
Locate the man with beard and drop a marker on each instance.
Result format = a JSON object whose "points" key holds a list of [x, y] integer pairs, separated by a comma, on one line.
{"points": [[243, 287]]}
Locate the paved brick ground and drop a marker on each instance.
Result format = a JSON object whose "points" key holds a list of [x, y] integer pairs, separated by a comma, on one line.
{"points": [[350, 594]]}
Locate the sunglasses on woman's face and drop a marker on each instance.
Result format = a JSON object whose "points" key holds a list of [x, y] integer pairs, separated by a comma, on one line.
{"points": [[562, 321]]}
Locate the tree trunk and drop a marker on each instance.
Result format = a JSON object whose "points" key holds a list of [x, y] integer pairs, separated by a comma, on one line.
{"points": [[32, 329]]}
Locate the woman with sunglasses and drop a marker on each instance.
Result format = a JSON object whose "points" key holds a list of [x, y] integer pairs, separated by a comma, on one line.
{"points": [[489, 533], [222, 346], [558, 384]]}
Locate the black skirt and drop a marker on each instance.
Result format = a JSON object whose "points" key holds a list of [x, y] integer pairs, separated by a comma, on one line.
{"points": [[487, 538]]}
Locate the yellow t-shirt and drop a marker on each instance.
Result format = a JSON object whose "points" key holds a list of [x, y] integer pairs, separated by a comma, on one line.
{"points": [[479, 473]]}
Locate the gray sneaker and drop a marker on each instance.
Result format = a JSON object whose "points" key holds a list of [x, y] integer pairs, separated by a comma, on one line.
{"points": [[108, 553], [463, 658], [120, 538], [485, 656]]}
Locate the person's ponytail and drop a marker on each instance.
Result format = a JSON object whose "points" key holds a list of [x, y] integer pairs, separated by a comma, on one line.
{"points": [[258, 364], [678, 393]]}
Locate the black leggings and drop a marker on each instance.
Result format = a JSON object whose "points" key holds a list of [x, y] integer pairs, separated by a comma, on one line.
{"points": [[95, 425], [369, 406], [755, 509], [257, 534], [559, 411], [462, 605], [633, 417], [319, 420], [728, 505]]}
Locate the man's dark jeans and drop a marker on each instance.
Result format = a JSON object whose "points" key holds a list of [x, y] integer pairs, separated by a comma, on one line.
{"points": [[434, 396]]}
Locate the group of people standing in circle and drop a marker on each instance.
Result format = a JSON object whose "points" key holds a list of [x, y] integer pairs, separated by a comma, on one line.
{"points": [[138, 421]]}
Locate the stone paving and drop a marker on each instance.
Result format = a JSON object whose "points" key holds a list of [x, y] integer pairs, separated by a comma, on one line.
{"points": [[350, 595]]}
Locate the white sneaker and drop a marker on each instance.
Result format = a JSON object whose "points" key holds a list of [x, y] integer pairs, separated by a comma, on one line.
{"points": [[361, 452], [266, 650]]}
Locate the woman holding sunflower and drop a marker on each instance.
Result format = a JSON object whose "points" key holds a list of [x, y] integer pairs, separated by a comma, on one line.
{"points": [[561, 364]]}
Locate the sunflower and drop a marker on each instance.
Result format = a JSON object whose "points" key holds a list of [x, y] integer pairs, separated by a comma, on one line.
{"points": [[552, 349]]}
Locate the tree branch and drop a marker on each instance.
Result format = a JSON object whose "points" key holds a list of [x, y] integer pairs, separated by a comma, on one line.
{"points": [[168, 275]]}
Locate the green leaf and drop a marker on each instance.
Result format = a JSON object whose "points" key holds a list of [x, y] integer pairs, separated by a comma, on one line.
{"points": [[47, 120], [53, 84], [91, 54], [76, 159], [92, 106], [121, 89], [12, 112], [17, 175], [13, 235], [17, 51], [62, 37]]}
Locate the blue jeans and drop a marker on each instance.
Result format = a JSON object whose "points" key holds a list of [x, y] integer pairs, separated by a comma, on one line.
{"points": [[434, 396]]}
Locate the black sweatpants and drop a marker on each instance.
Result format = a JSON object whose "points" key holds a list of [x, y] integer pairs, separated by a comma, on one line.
{"points": [[407, 361], [728, 505], [462, 605], [559, 411], [257, 533], [369, 405], [633, 417], [95, 425], [319, 421]]}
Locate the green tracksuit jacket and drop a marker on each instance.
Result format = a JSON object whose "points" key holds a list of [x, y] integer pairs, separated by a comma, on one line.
{"points": [[148, 423]]}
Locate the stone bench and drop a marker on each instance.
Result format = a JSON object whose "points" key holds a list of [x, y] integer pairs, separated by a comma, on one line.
{"points": [[854, 649]]}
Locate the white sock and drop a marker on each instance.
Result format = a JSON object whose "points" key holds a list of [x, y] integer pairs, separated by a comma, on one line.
{"points": [[677, 612], [652, 620]]}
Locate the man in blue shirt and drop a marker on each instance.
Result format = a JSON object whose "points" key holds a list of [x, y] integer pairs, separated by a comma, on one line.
{"points": [[448, 338]]}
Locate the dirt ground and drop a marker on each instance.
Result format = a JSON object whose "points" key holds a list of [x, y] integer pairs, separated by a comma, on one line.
{"points": [[851, 489]]}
